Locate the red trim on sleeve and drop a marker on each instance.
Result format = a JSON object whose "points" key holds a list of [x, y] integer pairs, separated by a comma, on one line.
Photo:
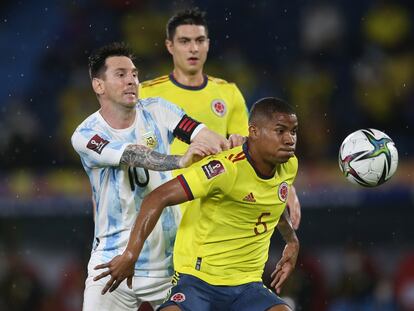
{"points": [[182, 123], [190, 128], [185, 186], [185, 128]]}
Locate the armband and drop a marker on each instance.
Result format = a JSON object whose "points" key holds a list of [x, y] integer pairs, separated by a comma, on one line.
{"points": [[185, 128]]}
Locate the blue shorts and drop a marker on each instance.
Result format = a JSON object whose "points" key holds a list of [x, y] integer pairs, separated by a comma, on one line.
{"points": [[191, 293]]}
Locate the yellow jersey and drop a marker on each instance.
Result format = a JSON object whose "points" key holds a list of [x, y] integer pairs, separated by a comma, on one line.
{"points": [[228, 242], [216, 103]]}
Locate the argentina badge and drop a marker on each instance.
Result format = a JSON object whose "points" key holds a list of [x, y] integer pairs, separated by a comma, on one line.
{"points": [[150, 139]]}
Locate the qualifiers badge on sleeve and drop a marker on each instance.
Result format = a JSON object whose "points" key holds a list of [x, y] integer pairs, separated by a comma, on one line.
{"points": [[283, 191], [213, 168], [97, 143]]}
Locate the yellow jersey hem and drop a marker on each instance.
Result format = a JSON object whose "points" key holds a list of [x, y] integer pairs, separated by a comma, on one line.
{"points": [[218, 281]]}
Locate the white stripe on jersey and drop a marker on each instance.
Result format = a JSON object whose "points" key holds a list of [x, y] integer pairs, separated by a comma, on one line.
{"points": [[118, 190]]}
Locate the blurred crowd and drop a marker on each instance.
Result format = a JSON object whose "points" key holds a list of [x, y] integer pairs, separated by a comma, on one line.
{"points": [[343, 66]]}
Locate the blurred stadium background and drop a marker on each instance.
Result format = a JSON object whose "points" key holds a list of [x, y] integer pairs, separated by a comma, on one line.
{"points": [[345, 65]]}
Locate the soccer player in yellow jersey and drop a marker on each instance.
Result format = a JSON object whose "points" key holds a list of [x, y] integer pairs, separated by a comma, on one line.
{"points": [[215, 102], [243, 193]]}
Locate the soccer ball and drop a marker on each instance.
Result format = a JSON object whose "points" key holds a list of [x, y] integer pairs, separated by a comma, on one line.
{"points": [[368, 157]]}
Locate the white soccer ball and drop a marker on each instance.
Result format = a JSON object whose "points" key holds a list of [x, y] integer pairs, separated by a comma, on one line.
{"points": [[368, 157]]}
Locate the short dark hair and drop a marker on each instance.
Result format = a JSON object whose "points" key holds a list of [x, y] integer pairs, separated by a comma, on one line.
{"points": [[96, 61], [266, 107], [187, 17]]}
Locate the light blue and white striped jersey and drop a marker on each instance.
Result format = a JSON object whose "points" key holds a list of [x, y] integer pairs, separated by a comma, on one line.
{"points": [[118, 190]]}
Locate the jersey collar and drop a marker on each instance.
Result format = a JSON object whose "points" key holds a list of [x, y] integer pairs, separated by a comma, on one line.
{"points": [[186, 87], [249, 159]]}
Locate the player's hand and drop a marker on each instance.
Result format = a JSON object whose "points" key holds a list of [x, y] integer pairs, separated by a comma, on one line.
{"points": [[236, 140], [285, 265], [293, 205], [212, 139], [195, 152], [119, 268]]}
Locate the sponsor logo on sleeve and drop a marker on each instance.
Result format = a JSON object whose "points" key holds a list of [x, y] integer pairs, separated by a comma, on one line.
{"points": [[97, 144], [283, 191], [213, 168], [178, 297]]}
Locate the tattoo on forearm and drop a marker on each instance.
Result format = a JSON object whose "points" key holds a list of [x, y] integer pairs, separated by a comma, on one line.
{"points": [[141, 156], [285, 228]]}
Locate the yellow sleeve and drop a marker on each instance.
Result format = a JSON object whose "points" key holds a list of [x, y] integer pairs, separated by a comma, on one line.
{"points": [[142, 92], [208, 177], [238, 119]]}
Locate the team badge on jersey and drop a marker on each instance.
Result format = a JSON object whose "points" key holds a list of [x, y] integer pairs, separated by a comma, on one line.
{"points": [[97, 143], [213, 168], [178, 297], [150, 139], [283, 191], [219, 107]]}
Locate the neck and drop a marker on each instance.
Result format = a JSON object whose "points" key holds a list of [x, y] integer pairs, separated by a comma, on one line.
{"points": [[260, 165], [117, 116], [187, 79]]}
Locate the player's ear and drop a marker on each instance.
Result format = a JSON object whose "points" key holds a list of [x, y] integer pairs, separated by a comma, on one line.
{"points": [[253, 131], [98, 86], [169, 46]]}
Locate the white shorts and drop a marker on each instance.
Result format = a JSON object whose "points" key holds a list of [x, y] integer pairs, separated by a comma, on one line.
{"points": [[152, 290]]}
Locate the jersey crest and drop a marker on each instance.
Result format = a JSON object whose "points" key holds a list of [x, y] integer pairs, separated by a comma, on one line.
{"points": [[150, 139], [219, 107], [178, 297], [283, 191]]}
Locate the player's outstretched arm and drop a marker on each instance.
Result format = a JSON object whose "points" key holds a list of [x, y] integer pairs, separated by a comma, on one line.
{"points": [[294, 208], [212, 139], [122, 267], [287, 263], [236, 140], [142, 156]]}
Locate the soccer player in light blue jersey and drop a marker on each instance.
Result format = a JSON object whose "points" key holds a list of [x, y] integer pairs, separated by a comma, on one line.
{"points": [[124, 149]]}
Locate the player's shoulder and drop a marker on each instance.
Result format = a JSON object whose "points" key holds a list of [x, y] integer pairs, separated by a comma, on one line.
{"points": [[227, 158], [235, 155], [149, 101], [92, 121], [92, 125], [155, 82], [220, 82], [291, 166], [158, 106], [231, 159], [155, 102]]}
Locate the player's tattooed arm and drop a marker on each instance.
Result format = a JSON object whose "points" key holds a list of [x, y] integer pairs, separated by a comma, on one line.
{"points": [[141, 156]]}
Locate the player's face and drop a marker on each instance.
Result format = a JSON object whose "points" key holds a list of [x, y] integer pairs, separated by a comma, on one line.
{"points": [[277, 138], [120, 81], [189, 48]]}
